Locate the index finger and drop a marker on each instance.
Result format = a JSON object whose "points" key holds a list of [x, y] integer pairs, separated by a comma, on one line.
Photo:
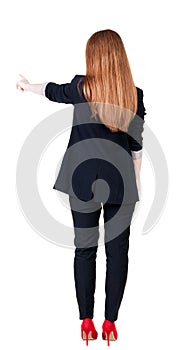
{"points": [[22, 76]]}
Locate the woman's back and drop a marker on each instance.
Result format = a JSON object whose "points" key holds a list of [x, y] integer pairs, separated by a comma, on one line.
{"points": [[94, 151]]}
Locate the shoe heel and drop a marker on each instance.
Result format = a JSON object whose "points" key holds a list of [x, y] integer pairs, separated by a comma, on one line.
{"points": [[107, 335], [108, 339], [85, 336]]}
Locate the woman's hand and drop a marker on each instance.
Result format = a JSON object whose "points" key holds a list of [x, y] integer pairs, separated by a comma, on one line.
{"points": [[138, 182], [23, 84], [137, 168]]}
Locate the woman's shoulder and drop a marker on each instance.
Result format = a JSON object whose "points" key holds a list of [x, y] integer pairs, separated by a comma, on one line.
{"points": [[78, 77], [141, 108], [139, 91], [77, 84]]}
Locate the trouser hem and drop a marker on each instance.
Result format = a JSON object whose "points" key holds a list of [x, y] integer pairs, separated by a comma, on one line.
{"points": [[86, 316]]}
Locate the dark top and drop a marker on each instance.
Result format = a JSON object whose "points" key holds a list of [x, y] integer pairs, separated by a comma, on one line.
{"points": [[95, 152]]}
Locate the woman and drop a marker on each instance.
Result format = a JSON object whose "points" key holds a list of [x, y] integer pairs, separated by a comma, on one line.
{"points": [[105, 144]]}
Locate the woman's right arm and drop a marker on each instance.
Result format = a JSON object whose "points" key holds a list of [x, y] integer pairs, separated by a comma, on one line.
{"points": [[135, 137]]}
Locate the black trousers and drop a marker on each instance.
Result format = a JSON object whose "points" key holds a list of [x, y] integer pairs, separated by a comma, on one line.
{"points": [[117, 220]]}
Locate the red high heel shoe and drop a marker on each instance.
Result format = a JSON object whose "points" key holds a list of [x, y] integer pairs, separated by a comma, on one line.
{"points": [[109, 331], [88, 331]]}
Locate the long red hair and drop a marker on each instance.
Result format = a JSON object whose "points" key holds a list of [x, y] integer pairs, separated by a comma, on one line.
{"points": [[108, 84]]}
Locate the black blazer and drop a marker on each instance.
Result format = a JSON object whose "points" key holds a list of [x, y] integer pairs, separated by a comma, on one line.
{"points": [[94, 152]]}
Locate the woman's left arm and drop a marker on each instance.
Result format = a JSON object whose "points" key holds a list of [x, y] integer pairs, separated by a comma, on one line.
{"points": [[62, 93]]}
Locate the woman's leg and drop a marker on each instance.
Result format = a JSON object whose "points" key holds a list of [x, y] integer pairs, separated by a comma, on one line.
{"points": [[116, 247], [86, 228]]}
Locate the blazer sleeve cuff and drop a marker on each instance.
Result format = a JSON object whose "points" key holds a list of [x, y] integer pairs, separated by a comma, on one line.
{"points": [[43, 88], [137, 154]]}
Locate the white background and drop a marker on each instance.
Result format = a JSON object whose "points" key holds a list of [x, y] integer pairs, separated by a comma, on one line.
{"points": [[45, 41]]}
